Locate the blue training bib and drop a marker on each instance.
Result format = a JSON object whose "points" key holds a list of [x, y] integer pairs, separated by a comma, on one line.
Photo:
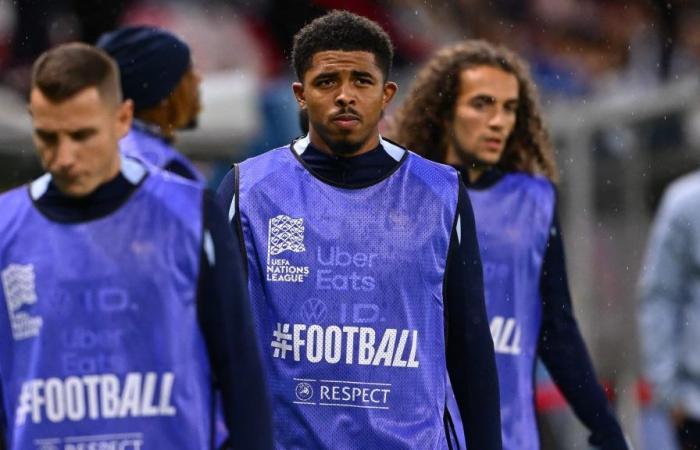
{"points": [[151, 149], [99, 341], [346, 286], [513, 220]]}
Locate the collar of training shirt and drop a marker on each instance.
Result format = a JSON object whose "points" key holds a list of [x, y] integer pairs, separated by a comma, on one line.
{"points": [[106, 199], [487, 179], [356, 172]]}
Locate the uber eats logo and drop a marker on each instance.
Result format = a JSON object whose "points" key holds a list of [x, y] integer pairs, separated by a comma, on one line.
{"points": [[345, 271]]}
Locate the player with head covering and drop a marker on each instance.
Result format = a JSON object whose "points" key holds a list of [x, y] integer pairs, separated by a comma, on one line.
{"points": [[474, 107], [124, 303], [363, 266], [157, 74]]}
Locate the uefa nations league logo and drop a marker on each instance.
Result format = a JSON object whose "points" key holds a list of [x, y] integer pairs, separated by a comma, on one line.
{"points": [[19, 287], [285, 234]]}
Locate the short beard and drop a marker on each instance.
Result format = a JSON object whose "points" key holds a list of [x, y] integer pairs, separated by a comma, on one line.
{"points": [[341, 148]]}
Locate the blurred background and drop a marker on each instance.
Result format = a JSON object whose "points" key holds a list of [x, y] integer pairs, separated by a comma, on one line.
{"points": [[619, 84]]}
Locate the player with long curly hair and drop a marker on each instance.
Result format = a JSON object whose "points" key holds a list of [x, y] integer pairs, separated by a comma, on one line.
{"points": [[429, 109], [474, 106]]}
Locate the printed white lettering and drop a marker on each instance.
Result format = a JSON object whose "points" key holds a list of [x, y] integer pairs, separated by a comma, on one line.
{"points": [[314, 349], [75, 399], [97, 396], [506, 335], [351, 344], [385, 351]]}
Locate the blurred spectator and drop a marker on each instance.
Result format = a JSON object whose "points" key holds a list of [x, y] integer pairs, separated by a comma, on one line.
{"points": [[158, 77], [670, 308]]}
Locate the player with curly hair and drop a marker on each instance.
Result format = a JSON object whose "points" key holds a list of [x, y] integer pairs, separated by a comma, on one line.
{"points": [[474, 106]]}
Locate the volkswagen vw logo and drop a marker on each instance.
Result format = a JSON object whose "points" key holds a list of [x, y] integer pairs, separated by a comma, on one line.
{"points": [[313, 310]]}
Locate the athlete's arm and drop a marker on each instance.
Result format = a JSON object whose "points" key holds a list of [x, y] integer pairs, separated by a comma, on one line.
{"points": [[226, 189], [564, 353], [227, 324], [470, 356], [3, 420]]}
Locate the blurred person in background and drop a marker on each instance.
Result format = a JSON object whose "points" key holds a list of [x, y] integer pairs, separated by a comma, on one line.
{"points": [[363, 264], [474, 106], [125, 304], [158, 75], [669, 316]]}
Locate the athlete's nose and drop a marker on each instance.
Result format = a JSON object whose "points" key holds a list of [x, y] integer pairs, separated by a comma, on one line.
{"points": [[345, 95], [64, 157], [497, 121]]}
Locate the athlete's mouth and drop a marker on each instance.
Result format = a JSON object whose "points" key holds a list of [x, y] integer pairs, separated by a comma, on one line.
{"points": [[346, 120], [493, 142]]}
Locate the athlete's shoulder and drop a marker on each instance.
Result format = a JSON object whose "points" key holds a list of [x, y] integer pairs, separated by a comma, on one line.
{"points": [[14, 196], [273, 164], [267, 161], [683, 193], [14, 200], [16, 203], [170, 194], [426, 166], [534, 184], [168, 181], [146, 146]]}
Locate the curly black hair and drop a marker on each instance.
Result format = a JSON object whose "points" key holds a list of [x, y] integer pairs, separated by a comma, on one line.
{"points": [[341, 30]]}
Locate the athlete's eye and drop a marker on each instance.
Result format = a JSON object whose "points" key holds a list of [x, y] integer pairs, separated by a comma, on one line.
{"points": [[479, 103], [82, 135], [46, 138], [511, 107], [327, 82]]}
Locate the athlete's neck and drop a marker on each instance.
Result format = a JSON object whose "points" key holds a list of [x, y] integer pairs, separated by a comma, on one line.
{"points": [[470, 167], [367, 146], [368, 168]]}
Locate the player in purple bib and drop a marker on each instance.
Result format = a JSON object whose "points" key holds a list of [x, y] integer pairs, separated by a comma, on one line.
{"points": [[124, 310], [474, 107], [363, 267], [157, 74]]}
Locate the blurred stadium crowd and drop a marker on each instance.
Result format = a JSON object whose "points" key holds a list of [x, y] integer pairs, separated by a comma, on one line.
{"points": [[576, 48], [585, 55]]}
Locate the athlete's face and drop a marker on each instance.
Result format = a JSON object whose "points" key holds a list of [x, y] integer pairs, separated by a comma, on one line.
{"points": [[77, 139], [191, 103], [484, 116], [344, 94]]}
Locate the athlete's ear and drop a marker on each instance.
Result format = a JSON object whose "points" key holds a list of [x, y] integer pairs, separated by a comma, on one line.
{"points": [[298, 89], [390, 89], [124, 115]]}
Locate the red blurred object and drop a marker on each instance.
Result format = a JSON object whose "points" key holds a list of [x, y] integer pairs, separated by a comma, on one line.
{"points": [[549, 398]]}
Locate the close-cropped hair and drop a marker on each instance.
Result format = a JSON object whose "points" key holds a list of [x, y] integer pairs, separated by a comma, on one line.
{"points": [[63, 71], [422, 122], [341, 30]]}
